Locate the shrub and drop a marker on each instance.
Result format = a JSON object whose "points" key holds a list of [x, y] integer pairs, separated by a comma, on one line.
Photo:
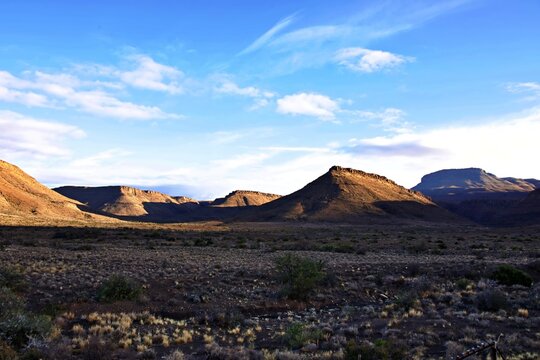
{"points": [[6, 352], [12, 279], [10, 304], [491, 300], [118, 288], [17, 329], [508, 275], [298, 335], [379, 350], [463, 283], [299, 276]]}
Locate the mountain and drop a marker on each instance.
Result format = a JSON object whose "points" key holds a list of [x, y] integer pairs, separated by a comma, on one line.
{"points": [[22, 196], [125, 201], [474, 193], [525, 212], [244, 198], [456, 185], [348, 195]]}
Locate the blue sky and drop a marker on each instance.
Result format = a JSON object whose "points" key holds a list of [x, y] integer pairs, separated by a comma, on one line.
{"points": [[200, 98]]}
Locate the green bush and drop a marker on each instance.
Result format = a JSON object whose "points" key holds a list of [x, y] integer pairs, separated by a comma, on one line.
{"points": [[18, 325], [299, 276], [379, 350], [10, 303], [508, 275], [17, 329], [12, 279], [298, 335], [463, 283], [117, 288]]}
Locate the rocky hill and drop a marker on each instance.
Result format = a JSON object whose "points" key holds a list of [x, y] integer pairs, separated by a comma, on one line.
{"points": [[348, 195]]}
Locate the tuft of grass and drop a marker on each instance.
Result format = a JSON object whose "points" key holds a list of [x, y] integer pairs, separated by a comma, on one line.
{"points": [[509, 275], [117, 288], [299, 276]]}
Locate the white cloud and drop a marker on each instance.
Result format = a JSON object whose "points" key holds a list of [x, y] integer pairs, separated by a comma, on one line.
{"points": [[68, 90], [151, 75], [21, 97], [309, 104], [368, 61], [23, 136]]}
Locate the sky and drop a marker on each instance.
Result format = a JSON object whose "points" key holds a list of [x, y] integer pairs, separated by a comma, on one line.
{"points": [[200, 98]]}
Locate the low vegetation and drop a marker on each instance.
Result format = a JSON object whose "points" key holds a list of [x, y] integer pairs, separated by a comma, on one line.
{"points": [[299, 276], [509, 275], [118, 288]]}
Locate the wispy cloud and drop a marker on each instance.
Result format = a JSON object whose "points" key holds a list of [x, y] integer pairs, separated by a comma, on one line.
{"points": [[389, 119], [368, 61], [224, 85], [25, 136], [268, 35], [316, 44], [530, 89], [41, 89]]}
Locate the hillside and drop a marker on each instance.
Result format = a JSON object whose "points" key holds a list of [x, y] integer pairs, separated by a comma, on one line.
{"points": [[348, 195], [22, 196], [244, 198], [125, 201]]}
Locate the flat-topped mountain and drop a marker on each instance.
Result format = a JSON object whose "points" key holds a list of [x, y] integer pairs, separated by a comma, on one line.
{"points": [[125, 201], [348, 195], [474, 193], [456, 185], [245, 198], [23, 196]]}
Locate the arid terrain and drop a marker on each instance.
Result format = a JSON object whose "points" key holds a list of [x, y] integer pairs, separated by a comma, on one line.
{"points": [[214, 290]]}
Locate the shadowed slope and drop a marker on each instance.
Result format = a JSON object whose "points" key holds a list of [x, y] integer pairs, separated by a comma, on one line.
{"points": [[125, 201]]}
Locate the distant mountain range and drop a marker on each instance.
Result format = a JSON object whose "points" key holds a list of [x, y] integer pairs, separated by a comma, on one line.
{"points": [[340, 195]]}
